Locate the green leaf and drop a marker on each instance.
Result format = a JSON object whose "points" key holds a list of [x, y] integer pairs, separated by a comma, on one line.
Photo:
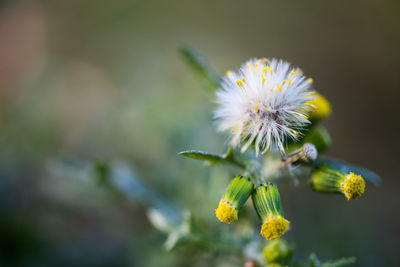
{"points": [[345, 167], [340, 262], [201, 66], [200, 155], [212, 158]]}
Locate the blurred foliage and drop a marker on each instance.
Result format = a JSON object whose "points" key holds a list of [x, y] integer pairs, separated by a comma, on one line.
{"points": [[202, 67]]}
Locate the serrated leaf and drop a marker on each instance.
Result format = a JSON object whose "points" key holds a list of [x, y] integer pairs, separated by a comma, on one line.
{"points": [[345, 167], [201, 66]]}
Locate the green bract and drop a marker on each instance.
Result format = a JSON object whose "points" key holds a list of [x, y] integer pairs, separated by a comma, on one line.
{"points": [[267, 202], [238, 191]]}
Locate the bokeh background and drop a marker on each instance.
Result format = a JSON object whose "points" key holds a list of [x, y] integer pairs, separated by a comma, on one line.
{"points": [[101, 80]]}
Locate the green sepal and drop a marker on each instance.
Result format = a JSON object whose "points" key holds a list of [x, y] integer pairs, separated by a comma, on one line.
{"points": [[326, 180], [238, 191], [267, 201], [201, 66]]}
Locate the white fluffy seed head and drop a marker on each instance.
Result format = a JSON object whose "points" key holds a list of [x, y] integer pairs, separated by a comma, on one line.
{"points": [[310, 152], [264, 101]]}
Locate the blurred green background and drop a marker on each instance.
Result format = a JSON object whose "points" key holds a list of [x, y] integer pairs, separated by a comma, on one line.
{"points": [[101, 80]]}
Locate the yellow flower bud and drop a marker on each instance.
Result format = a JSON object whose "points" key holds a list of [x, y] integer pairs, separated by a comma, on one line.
{"points": [[268, 206], [226, 212], [320, 107], [235, 196], [353, 186], [277, 250], [328, 180]]}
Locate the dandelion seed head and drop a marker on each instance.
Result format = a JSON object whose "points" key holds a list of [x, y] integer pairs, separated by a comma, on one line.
{"points": [[353, 186], [263, 102], [309, 151]]}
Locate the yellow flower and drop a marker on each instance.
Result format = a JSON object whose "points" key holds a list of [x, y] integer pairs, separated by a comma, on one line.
{"points": [[328, 180], [320, 107], [353, 186], [226, 212], [274, 228], [267, 204], [235, 196]]}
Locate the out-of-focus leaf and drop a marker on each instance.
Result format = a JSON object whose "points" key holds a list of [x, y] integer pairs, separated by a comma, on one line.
{"points": [[72, 168], [212, 158], [314, 261], [319, 137], [180, 233], [201, 66], [340, 262], [345, 167], [164, 216], [159, 221], [118, 176]]}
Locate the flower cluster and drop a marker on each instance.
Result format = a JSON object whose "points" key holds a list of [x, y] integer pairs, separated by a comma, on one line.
{"points": [[266, 201], [267, 103], [273, 107]]}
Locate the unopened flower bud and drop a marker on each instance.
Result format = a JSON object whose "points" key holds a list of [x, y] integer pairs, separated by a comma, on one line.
{"points": [[267, 204], [329, 180], [235, 196], [277, 250]]}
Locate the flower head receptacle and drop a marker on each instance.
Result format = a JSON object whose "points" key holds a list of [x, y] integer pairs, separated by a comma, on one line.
{"points": [[328, 180], [267, 203], [235, 196]]}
